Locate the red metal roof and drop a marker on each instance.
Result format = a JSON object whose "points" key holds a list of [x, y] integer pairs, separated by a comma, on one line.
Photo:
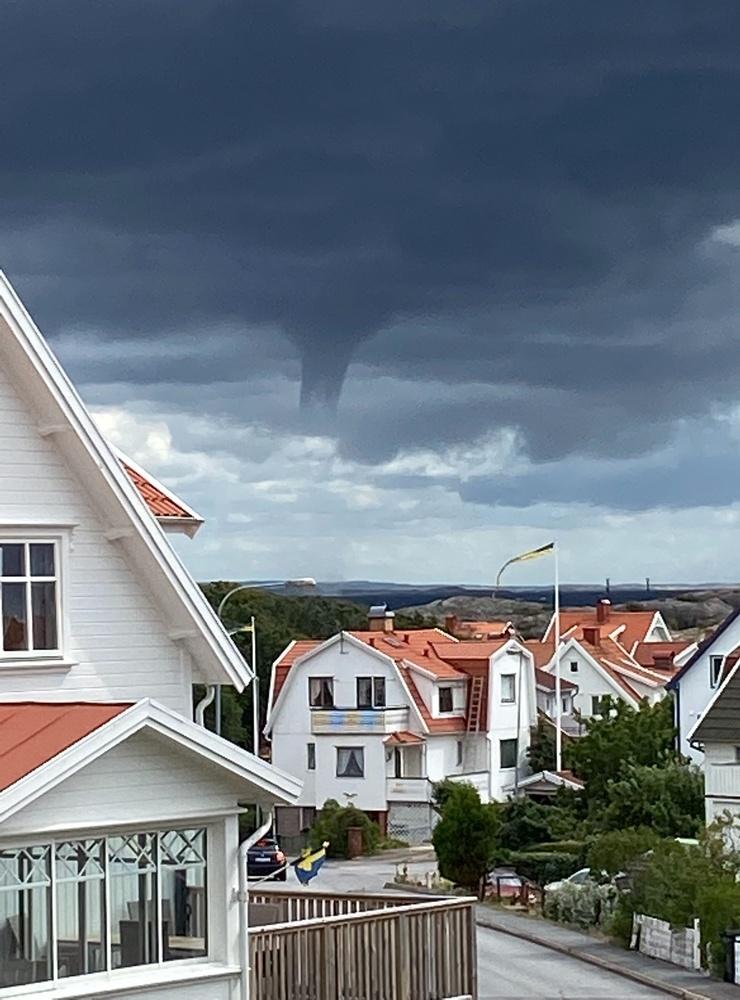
{"points": [[33, 733]]}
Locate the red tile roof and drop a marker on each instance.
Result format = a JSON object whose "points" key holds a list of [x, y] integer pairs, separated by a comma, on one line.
{"points": [[286, 660], [629, 627], [161, 504], [645, 653], [403, 738], [545, 679], [415, 646], [33, 733]]}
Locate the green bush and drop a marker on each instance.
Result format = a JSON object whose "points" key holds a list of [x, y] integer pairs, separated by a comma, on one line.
{"points": [[465, 838], [577, 847], [542, 867], [668, 799], [588, 905], [332, 824], [718, 907], [617, 850]]}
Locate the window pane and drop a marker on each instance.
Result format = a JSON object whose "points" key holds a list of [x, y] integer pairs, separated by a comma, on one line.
{"points": [[15, 626], [379, 692], [25, 891], [508, 753], [80, 907], [44, 611], [364, 692], [311, 756], [133, 912], [321, 692], [42, 559], [12, 559], [508, 691], [183, 868], [445, 699], [350, 762]]}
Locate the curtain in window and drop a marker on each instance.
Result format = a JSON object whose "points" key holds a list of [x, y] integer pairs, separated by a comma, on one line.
{"points": [[350, 762]]}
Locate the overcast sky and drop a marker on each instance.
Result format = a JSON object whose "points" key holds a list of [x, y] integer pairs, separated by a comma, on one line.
{"points": [[395, 289]]}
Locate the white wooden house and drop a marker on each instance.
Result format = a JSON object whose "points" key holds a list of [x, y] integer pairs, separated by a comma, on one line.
{"points": [[701, 676], [376, 717], [119, 849]]}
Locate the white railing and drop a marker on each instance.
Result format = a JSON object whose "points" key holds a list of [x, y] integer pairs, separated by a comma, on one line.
{"points": [[408, 789], [358, 720]]}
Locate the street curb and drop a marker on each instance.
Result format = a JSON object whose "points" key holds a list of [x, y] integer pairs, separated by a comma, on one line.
{"points": [[564, 949], [602, 963]]}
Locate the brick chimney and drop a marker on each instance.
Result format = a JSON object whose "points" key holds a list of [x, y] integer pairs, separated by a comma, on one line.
{"points": [[591, 635], [663, 661], [602, 611], [380, 619], [451, 624]]}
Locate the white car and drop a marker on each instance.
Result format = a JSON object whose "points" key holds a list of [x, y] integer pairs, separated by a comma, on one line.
{"points": [[581, 877]]}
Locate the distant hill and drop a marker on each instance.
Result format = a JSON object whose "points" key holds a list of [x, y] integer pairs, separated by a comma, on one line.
{"points": [[691, 614]]}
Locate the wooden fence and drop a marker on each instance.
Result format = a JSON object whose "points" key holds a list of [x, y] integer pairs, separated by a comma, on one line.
{"points": [[309, 905], [391, 949]]}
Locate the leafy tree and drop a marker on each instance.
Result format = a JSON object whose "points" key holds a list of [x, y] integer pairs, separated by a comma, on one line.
{"points": [[465, 838], [617, 850], [541, 750], [668, 799], [523, 823], [622, 737], [332, 824]]}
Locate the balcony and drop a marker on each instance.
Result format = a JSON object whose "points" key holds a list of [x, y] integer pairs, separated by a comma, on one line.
{"points": [[360, 721], [408, 789], [722, 780], [317, 946]]}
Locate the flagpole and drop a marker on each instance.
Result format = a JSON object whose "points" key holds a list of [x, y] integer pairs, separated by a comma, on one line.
{"points": [[558, 701]]}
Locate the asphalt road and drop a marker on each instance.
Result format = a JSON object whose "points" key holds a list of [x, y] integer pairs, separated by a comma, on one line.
{"points": [[508, 968]]}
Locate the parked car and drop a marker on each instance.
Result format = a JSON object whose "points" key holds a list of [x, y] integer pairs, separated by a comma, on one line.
{"points": [[505, 882], [265, 858], [582, 877]]}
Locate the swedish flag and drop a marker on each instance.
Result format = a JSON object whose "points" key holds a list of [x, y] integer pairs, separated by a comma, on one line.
{"points": [[543, 550], [309, 863]]}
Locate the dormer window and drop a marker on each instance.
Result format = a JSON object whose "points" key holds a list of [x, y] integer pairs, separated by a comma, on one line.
{"points": [[29, 596], [445, 699]]}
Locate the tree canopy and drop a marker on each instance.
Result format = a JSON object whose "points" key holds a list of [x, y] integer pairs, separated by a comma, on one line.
{"points": [[465, 838]]}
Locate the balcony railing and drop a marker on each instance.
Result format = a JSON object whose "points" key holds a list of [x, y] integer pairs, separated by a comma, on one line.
{"points": [[722, 779], [408, 789], [358, 720], [364, 948]]}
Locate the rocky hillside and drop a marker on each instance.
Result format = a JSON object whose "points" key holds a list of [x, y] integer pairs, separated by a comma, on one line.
{"points": [[690, 614]]}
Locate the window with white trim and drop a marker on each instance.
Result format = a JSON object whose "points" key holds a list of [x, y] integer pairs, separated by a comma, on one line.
{"points": [[715, 670], [29, 597], [508, 688], [77, 907]]}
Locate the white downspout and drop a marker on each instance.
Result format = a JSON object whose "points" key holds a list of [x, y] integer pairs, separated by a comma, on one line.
{"points": [[200, 708], [243, 898]]}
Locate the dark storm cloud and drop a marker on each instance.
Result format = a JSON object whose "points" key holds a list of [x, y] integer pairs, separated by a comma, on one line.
{"points": [[508, 200]]}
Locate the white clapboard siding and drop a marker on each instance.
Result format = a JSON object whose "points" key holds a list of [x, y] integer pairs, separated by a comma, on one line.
{"points": [[116, 636], [142, 778]]}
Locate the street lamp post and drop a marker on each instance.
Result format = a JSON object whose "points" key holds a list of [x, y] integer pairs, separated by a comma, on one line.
{"points": [[255, 679]]}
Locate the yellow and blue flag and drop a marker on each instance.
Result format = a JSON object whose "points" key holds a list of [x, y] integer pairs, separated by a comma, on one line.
{"points": [[543, 550], [309, 863]]}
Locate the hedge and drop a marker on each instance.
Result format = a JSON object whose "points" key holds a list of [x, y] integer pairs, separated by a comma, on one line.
{"points": [[542, 867]]}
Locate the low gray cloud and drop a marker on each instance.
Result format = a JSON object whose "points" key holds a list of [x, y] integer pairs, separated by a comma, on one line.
{"points": [[444, 221]]}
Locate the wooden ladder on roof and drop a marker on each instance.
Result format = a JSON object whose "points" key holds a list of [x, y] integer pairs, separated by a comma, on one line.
{"points": [[475, 705]]}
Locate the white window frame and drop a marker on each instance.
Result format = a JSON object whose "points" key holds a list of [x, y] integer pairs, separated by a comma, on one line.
{"points": [[508, 700], [446, 687], [31, 535], [105, 977], [375, 701], [716, 665], [322, 678]]}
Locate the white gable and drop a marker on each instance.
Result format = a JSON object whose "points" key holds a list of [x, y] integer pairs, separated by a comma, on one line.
{"points": [[144, 780], [130, 598]]}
